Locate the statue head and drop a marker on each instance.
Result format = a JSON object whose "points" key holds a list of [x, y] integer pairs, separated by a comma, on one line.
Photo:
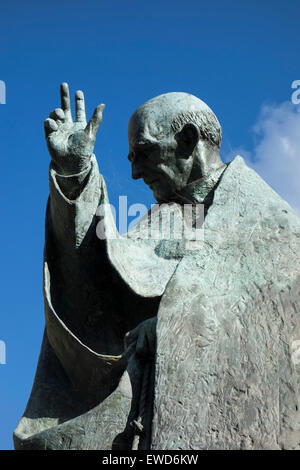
{"points": [[174, 140]]}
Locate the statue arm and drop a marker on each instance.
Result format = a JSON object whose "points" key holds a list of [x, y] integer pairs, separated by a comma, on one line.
{"points": [[76, 259], [75, 184]]}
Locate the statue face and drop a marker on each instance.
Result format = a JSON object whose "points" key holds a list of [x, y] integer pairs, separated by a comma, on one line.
{"points": [[174, 140], [155, 156]]}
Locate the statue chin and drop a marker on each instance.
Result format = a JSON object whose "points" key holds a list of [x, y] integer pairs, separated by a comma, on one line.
{"points": [[161, 192], [162, 196]]}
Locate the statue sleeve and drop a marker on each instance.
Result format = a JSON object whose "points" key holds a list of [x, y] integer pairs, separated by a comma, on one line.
{"points": [[73, 203], [90, 287], [78, 280]]}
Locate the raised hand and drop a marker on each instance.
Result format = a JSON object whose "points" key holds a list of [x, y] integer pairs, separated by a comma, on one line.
{"points": [[71, 144]]}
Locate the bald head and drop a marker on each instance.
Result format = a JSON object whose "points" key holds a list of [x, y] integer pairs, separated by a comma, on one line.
{"points": [[174, 139], [168, 113]]}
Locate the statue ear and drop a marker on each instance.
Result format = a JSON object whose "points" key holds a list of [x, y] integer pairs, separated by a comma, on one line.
{"points": [[187, 139]]}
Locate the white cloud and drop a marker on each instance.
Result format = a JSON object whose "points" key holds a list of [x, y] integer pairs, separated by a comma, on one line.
{"points": [[276, 153]]}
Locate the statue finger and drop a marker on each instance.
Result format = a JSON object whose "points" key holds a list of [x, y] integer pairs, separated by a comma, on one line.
{"points": [[95, 121], [58, 115], [65, 101], [80, 107], [50, 126]]}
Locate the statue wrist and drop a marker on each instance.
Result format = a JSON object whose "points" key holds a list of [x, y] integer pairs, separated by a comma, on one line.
{"points": [[72, 168]]}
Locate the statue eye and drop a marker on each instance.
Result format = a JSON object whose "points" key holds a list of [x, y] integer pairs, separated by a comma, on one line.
{"points": [[142, 151]]}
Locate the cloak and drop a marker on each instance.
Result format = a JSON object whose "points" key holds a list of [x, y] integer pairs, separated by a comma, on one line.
{"points": [[228, 321]]}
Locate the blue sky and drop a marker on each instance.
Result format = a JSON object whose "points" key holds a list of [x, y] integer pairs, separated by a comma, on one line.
{"points": [[239, 57]]}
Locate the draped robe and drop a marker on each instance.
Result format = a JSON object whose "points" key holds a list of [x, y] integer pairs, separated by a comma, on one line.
{"points": [[228, 320]]}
